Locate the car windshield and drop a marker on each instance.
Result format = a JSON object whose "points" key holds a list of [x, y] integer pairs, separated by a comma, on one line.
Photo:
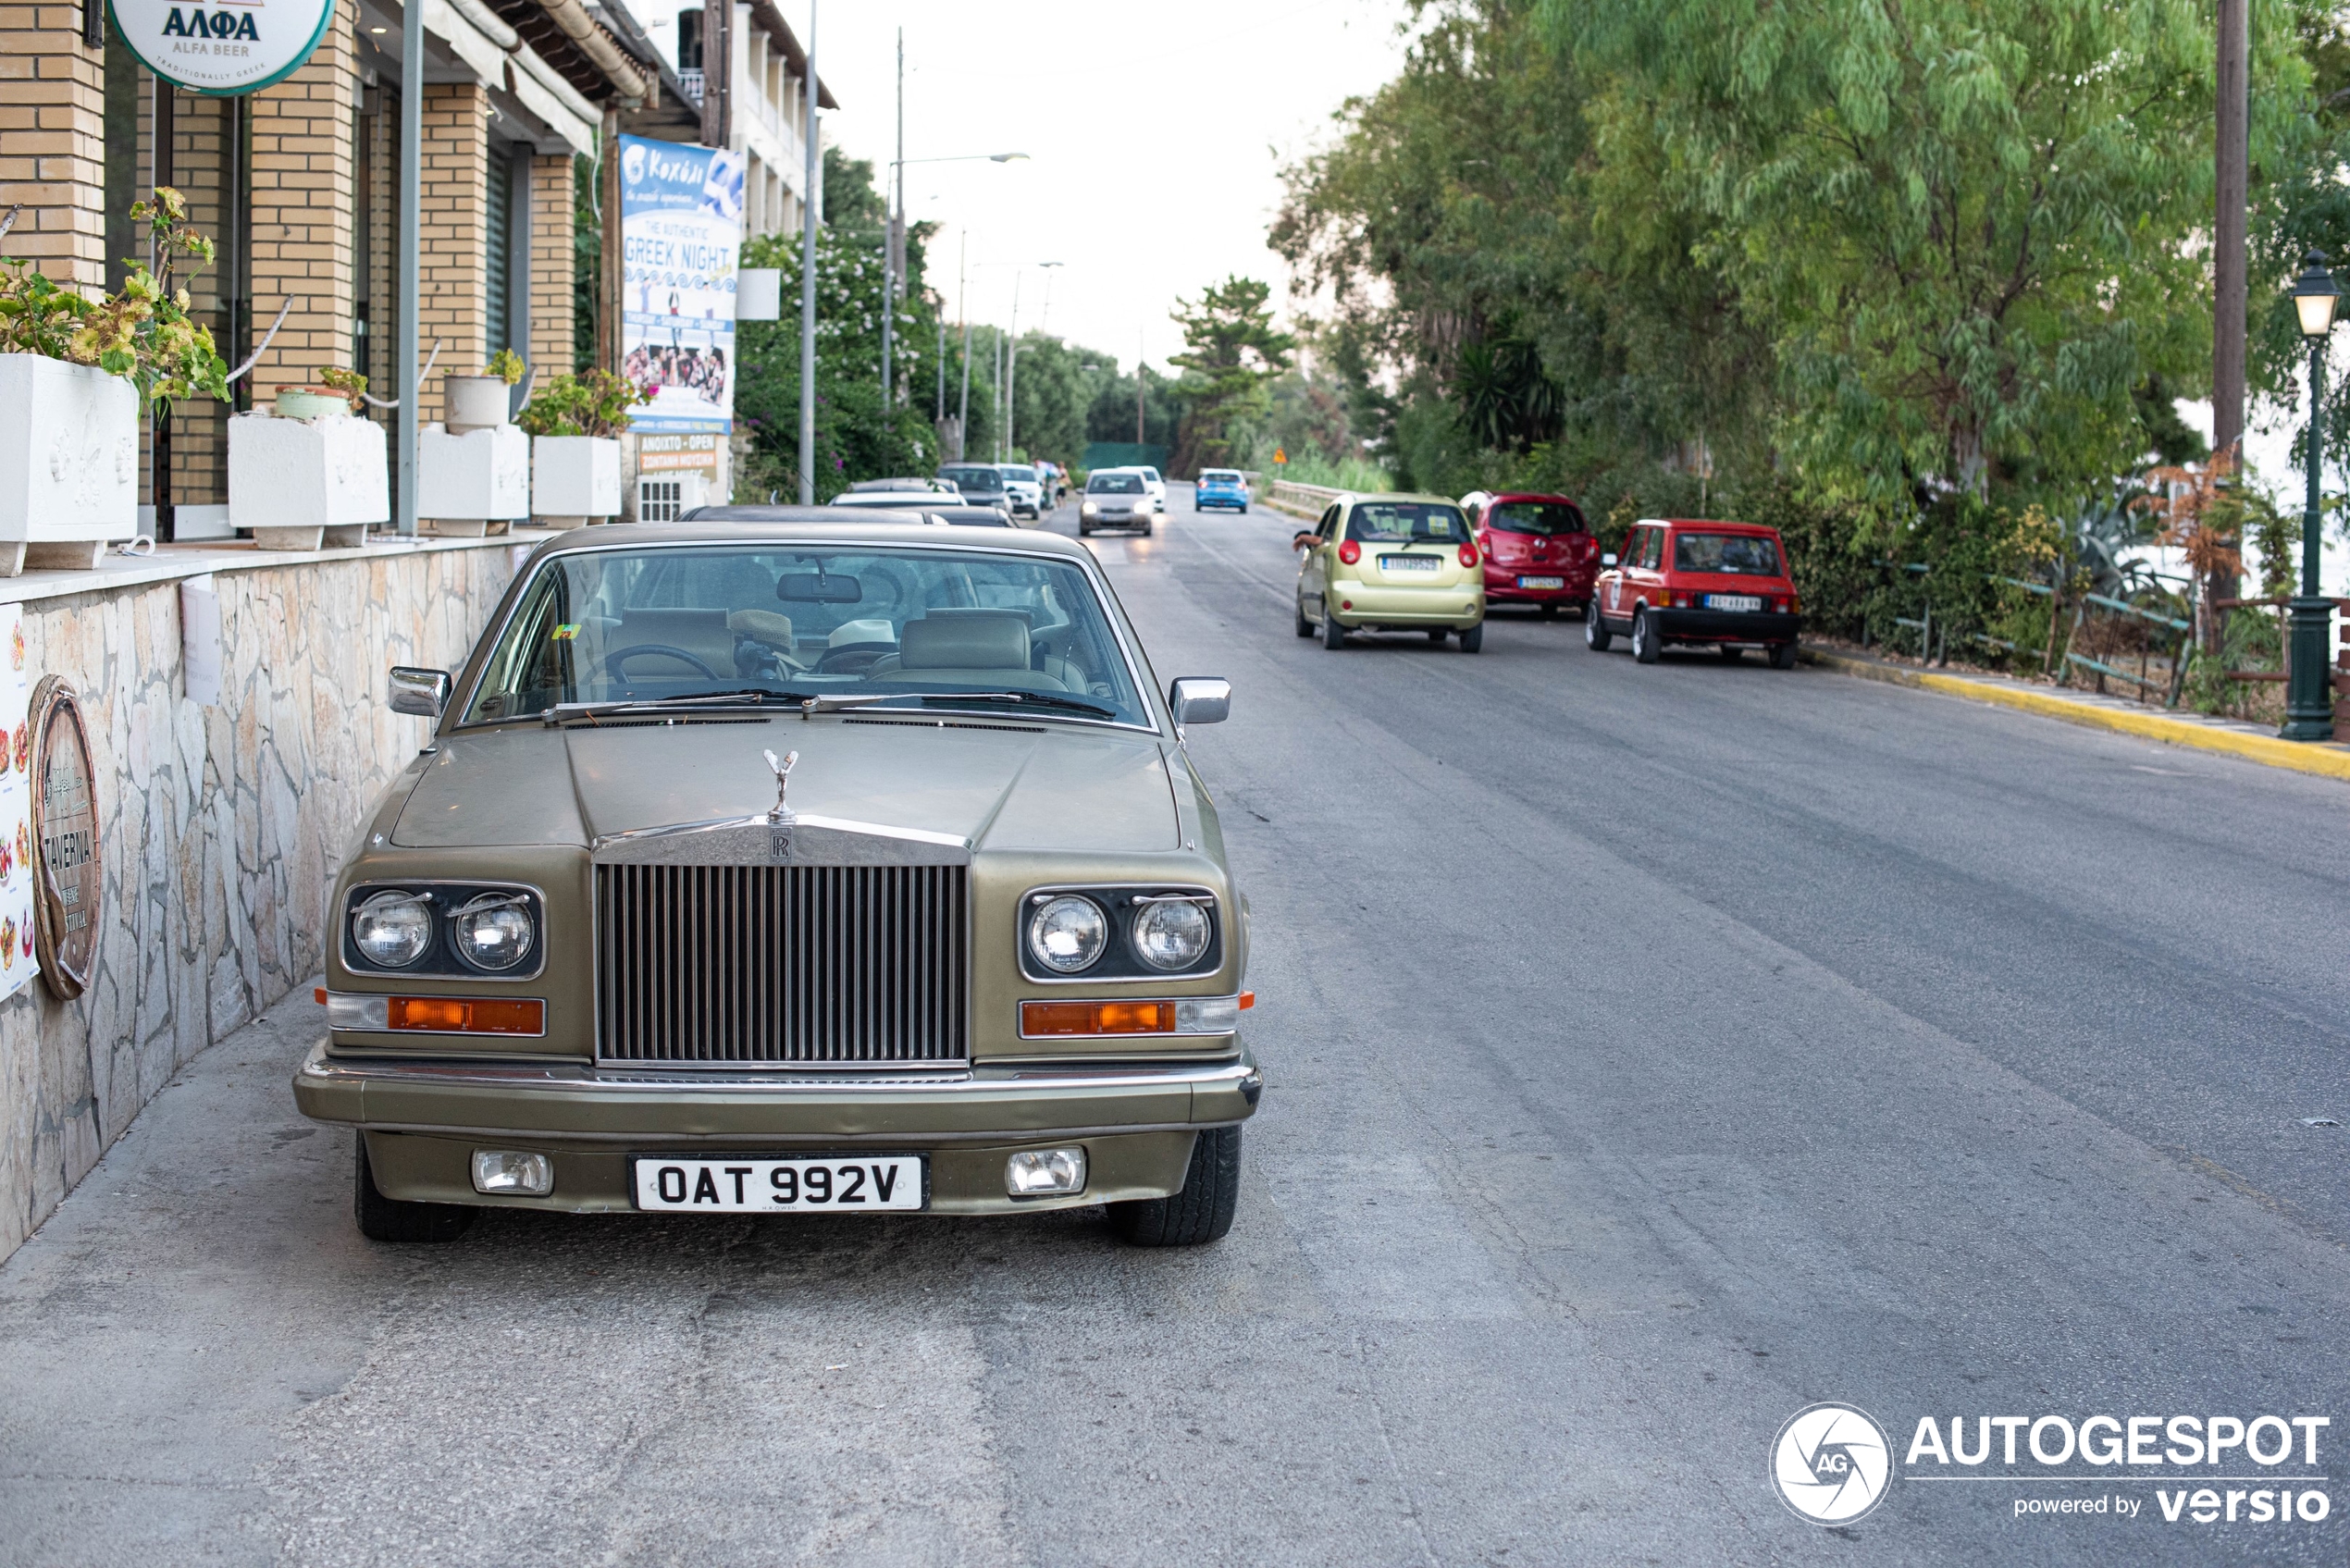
{"points": [[972, 478], [1114, 485], [1750, 554], [1547, 518], [1406, 522], [793, 621]]}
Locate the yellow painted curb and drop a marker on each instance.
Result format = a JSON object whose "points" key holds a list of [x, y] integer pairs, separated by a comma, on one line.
{"points": [[2332, 761]]}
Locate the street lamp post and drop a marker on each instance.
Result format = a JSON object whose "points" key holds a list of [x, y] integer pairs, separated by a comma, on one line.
{"points": [[2309, 704]]}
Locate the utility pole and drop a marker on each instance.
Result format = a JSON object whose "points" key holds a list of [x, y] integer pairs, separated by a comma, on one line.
{"points": [[2228, 260], [962, 309], [810, 214], [412, 220], [889, 251], [1011, 373]]}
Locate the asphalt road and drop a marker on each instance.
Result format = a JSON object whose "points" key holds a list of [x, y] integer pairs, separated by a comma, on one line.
{"points": [[1651, 1052]]}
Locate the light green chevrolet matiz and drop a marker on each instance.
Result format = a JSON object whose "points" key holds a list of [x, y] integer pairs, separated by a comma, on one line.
{"points": [[1391, 562]]}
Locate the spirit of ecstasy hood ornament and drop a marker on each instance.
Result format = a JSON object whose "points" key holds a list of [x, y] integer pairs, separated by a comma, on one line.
{"points": [[782, 811]]}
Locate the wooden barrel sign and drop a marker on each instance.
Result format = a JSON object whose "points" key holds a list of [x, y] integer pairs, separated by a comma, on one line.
{"points": [[69, 876]]}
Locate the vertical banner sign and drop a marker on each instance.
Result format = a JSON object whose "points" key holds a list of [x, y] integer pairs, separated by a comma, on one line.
{"points": [[681, 230], [221, 48], [17, 874]]}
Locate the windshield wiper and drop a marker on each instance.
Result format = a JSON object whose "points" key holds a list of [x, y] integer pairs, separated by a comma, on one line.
{"points": [[812, 706], [745, 697]]}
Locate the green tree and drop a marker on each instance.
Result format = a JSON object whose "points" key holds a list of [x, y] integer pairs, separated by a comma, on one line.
{"points": [[1233, 351]]}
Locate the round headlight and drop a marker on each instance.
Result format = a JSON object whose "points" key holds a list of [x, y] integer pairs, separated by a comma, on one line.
{"points": [[1171, 935], [1068, 933], [391, 930], [493, 932]]}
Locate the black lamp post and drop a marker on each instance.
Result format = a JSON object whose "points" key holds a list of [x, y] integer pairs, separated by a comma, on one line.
{"points": [[2308, 702]]}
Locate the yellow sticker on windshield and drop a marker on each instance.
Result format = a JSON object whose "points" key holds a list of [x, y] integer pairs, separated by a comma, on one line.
{"points": [[566, 630]]}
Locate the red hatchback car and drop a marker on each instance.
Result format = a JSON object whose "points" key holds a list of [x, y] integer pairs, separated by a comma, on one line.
{"points": [[1538, 550], [1681, 581]]}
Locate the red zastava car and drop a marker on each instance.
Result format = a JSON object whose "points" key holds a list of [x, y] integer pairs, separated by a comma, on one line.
{"points": [[1679, 581], [1538, 550]]}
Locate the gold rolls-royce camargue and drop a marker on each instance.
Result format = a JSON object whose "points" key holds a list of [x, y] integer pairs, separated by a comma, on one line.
{"points": [[794, 869]]}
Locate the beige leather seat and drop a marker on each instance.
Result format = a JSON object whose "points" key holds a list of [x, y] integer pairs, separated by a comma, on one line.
{"points": [[966, 650]]}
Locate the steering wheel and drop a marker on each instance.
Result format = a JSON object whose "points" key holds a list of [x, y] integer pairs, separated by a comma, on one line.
{"points": [[619, 656]]}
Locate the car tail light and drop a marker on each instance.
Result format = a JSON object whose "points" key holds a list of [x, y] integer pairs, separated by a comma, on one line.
{"points": [[1350, 552], [1794, 605], [1468, 553]]}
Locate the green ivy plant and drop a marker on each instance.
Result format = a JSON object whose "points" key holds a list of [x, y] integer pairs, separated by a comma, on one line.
{"points": [[595, 403], [143, 333]]}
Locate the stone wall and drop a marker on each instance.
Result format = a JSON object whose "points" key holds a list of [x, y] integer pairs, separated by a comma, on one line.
{"points": [[221, 827]]}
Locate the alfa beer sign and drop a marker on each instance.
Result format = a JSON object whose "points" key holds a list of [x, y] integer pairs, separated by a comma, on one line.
{"points": [[221, 48]]}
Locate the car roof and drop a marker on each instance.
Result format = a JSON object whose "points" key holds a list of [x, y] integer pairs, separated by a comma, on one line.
{"points": [[1720, 523], [756, 524], [1357, 497]]}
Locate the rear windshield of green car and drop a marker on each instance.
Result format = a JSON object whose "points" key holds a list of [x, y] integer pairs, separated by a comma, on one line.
{"points": [[1406, 522], [1745, 553], [793, 622], [1547, 518]]}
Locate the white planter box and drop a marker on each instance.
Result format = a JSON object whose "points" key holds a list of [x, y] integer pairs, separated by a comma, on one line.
{"points": [[466, 484], [290, 481], [574, 479], [69, 462]]}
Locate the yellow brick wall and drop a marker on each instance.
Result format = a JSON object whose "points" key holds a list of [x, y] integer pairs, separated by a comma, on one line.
{"points": [[53, 107], [551, 319], [454, 235], [302, 195]]}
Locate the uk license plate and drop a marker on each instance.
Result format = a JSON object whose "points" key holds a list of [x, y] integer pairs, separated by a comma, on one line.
{"points": [[772, 1186], [1410, 564], [1542, 582], [1733, 602]]}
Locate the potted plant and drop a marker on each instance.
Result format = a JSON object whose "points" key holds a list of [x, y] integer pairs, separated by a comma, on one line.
{"points": [[318, 474], [574, 426], [74, 374], [477, 403]]}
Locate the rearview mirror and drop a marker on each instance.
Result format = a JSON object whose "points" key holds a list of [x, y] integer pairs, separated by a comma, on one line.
{"points": [[1607, 560], [819, 587], [1201, 699], [424, 693]]}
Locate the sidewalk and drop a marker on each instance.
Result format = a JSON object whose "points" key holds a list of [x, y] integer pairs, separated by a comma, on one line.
{"points": [[2253, 743]]}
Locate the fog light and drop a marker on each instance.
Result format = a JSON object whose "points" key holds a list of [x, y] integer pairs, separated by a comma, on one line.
{"points": [[1032, 1173], [508, 1170]]}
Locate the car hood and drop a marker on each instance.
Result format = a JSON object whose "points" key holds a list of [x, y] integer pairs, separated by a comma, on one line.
{"points": [[996, 783]]}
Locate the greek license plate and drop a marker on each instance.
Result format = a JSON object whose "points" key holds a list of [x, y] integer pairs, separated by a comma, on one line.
{"points": [[1542, 582], [1733, 602], [754, 1186], [1410, 564]]}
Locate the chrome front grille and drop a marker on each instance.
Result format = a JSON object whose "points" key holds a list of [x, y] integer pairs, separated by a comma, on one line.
{"points": [[714, 965]]}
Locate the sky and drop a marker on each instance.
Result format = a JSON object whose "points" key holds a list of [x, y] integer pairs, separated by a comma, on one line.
{"points": [[1154, 138]]}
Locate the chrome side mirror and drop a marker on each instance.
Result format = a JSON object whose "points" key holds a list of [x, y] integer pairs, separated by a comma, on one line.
{"points": [[1201, 699], [1607, 560], [424, 693]]}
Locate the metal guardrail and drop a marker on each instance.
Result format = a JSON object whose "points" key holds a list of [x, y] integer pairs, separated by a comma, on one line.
{"points": [[1307, 499]]}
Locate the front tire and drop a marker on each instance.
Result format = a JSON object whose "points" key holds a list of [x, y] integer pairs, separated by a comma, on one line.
{"points": [[1782, 656], [1333, 634], [1645, 646], [1596, 637], [1202, 1212], [395, 1219]]}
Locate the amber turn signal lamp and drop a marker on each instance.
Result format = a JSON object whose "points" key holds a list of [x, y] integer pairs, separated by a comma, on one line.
{"points": [[1248, 1000], [466, 1015], [1042, 1018]]}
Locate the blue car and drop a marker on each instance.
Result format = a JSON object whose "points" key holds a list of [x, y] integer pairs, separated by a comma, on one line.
{"points": [[1220, 487]]}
